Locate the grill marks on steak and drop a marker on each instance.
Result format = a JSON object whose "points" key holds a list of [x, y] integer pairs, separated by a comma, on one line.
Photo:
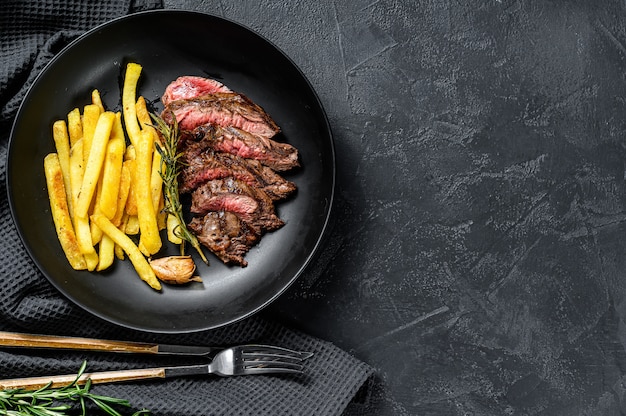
{"points": [[225, 235], [275, 155], [252, 205], [229, 165], [201, 164], [223, 109]]}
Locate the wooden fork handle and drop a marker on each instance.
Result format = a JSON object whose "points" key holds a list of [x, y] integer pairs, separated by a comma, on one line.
{"points": [[12, 339], [34, 383]]}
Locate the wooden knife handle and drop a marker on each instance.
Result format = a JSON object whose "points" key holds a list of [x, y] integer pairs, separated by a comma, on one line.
{"points": [[34, 383], [11, 339]]}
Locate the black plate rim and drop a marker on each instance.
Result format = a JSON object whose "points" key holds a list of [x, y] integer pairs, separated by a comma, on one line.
{"points": [[331, 154]]}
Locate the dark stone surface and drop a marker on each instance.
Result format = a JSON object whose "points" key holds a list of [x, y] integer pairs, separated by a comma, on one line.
{"points": [[477, 255]]}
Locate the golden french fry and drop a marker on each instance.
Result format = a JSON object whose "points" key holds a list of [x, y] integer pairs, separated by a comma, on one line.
{"points": [[81, 225], [129, 94], [143, 268], [148, 227], [77, 169], [124, 224], [132, 225], [113, 164], [161, 214], [129, 154], [131, 200], [118, 129], [119, 252], [83, 236], [142, 113], [74, 126], [97, 100], [129, 160], [122, 196], [156, 181], [105, 201], [106, 253], [111, 177], [94, 164], [60, 212], [96, 233], [62, 145], [91, 114]]}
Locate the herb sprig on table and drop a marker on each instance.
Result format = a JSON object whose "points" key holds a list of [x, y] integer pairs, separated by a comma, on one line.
{"points": [[49, 401]]}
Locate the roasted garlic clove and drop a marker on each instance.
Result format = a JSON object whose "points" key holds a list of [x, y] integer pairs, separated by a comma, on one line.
{"points": [[175, 269]]}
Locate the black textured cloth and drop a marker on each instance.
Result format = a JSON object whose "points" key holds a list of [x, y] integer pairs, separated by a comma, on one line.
{"points": [[31, 32]]}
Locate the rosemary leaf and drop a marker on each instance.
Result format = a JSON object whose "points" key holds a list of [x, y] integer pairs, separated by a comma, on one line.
{"points": [[168, 149], [59, 401]]}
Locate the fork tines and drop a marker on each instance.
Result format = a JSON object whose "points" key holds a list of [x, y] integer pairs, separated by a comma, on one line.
{"points": [[273, 351], [265, 359]]}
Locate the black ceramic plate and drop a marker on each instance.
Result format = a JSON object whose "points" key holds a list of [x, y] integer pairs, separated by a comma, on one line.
{"points": [[169, 44]]}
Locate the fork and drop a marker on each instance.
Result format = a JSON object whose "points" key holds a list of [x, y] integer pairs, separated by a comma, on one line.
{"points": [[235, 361]]}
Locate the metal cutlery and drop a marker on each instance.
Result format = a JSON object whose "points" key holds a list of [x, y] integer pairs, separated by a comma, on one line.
{"points": [[234, 361], [13, 339], [253, 359]]}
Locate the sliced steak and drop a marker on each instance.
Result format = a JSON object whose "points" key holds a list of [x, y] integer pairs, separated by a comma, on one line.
{"points": [[225, 235], [201, 164], [229, 164], [251, 205], [184, 88], [223, 109], [275, 155]]}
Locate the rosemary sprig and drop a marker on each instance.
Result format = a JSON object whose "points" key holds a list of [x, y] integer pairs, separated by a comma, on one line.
{"points": [[48, 401], [168, 149]]}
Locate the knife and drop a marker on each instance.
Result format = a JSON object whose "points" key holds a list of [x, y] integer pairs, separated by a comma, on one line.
{"points": [[19, 340]]}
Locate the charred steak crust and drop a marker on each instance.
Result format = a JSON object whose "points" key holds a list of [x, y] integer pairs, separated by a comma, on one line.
{"points": [[223, 109], [225, 235], [275, 155], [201, 165], [251, 205]]}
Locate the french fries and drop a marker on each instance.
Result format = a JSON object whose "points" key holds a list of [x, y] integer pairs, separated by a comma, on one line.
{"points": [[60, 212], [93, 166], [75, 126], [62, 144], [129, 100], [122, 196], [95, 99], [150, 242], [106, 194], [156, 181], [81, 225], [136, 257], [91, 114], [111, 176]]}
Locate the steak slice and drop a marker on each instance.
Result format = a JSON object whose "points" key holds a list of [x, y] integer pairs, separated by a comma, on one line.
{"points": [[200, 165], [186, 87], [275, 155], [251, 205], [225, 235], [223, 109]]}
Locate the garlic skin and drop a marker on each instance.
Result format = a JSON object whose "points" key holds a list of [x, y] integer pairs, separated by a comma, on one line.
{"points": [[175, 269]]}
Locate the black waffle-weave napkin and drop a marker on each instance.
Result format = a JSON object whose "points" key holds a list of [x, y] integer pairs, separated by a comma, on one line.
{"points": [[31, 32]]}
